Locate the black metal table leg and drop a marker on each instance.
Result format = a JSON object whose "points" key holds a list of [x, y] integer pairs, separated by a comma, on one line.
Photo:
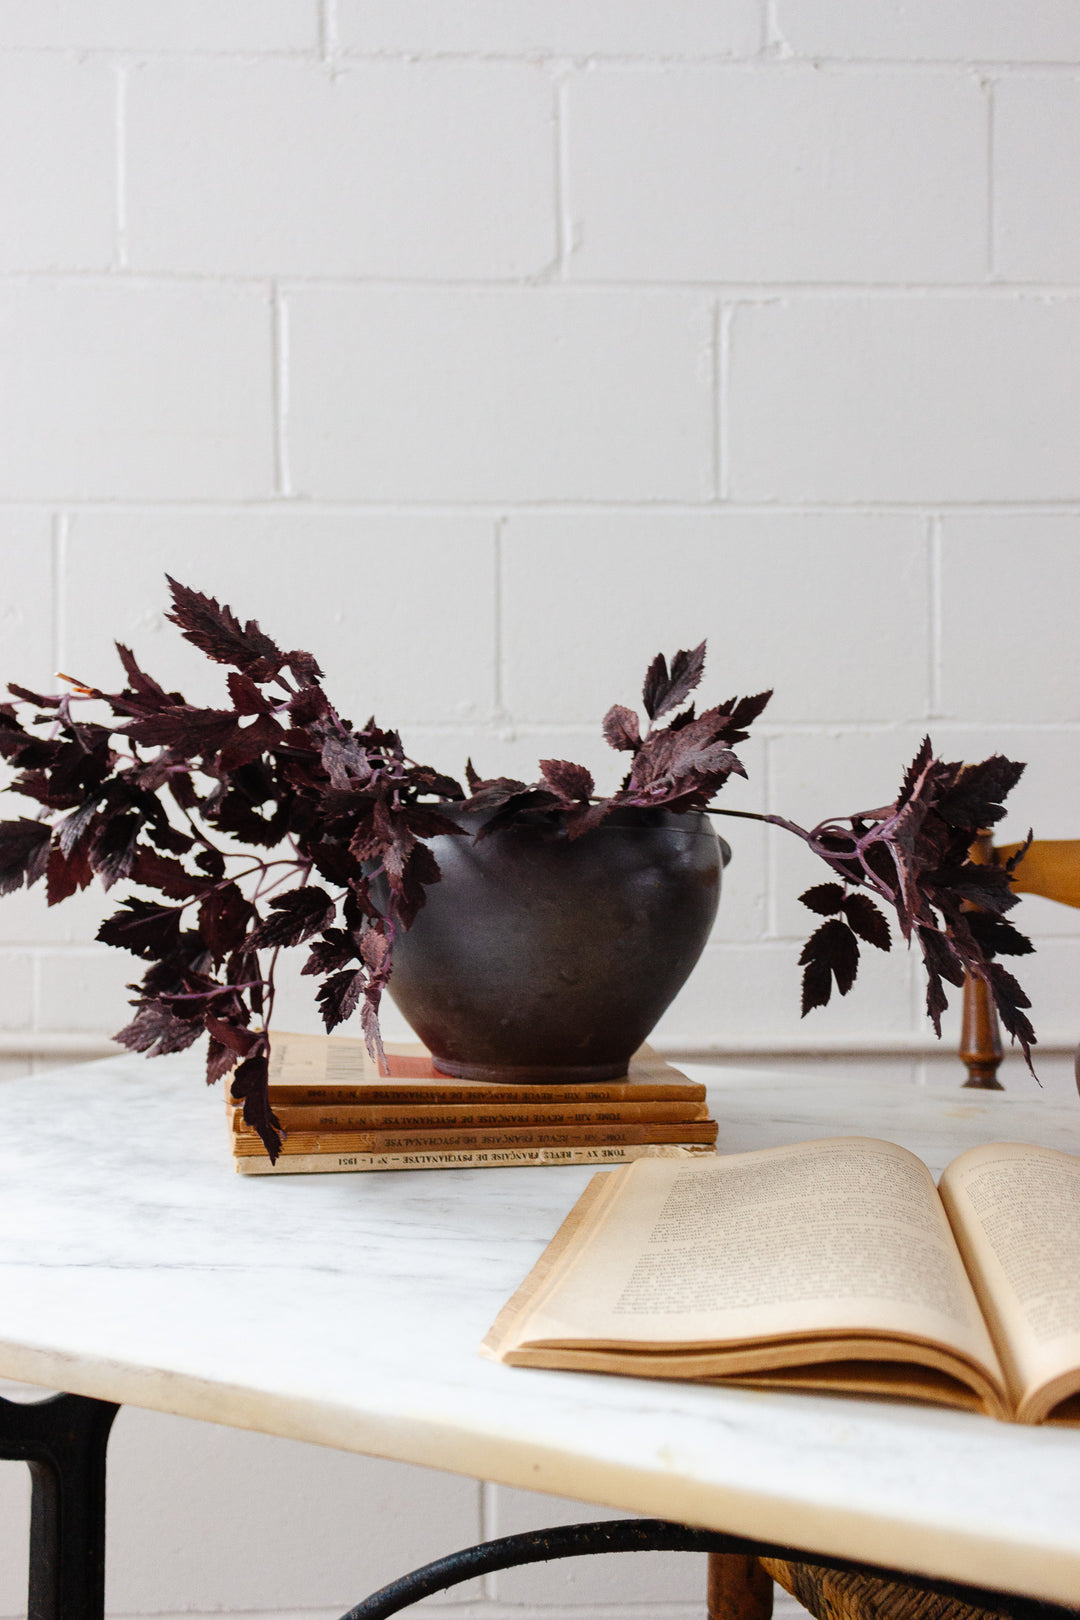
{"points": [[654, 1535], [63, 1439]]}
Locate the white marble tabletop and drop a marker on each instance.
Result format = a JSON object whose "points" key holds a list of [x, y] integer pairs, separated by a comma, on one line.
{"points": [[135, 1265]]}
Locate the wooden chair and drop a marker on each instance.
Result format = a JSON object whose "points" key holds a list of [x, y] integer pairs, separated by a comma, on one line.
{"points": [[1051, 868], [741, 1588]]}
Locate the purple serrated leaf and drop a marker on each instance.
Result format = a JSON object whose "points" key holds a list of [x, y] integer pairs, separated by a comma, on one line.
{"points": [[824, 898], [572, 781], [217, 632], [621, 728], [297, 915], [867, 921], [339, 996], [252, 1083]]}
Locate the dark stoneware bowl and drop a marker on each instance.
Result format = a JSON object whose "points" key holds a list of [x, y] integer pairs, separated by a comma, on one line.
{"points": [[538, 959]]}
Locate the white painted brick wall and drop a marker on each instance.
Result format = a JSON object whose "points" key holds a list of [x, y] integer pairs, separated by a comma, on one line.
{"points": [[813, 174], [768, 582], [485, 348], [121, 26], [573, 394], [985, 558], [1036, 133], [384, 169], [58, 146], [352, 579], [648, 29], [117, 388], [924, 30], [905, 398]]}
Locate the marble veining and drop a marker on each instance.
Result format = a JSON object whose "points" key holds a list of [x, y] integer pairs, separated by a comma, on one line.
{"points": [[347, 1310]]}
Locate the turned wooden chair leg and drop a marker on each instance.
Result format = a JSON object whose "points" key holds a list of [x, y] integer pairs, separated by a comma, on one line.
{"points": [[980, 1037], [980, 1034], [739, 1588]]}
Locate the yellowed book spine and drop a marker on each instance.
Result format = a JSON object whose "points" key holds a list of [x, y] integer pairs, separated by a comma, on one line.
{"points": [[246, 1141], [391, 1093], [306, 1164], [473, 1116]]}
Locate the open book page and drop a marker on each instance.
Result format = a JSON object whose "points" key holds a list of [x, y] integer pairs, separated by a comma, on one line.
{"points": [[1015, 1210], [841, 1237]]}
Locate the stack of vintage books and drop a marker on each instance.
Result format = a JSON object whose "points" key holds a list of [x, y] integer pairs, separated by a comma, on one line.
{"points": [[339, 1111]]}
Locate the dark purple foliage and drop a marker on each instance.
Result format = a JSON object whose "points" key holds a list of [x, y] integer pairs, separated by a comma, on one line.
{"points": [[143, 799], [279, 771], [913, 855]]}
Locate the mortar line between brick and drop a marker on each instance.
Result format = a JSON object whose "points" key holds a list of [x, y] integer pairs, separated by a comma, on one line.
{"points": [[934, 562], [497, 627], [35, 991], [991, 224], [279, 342], [540, 730], [917, 998], [723, 315], [774, 43], [760, 294], [651, 62], [58, 539], [563, 224], [484, 507], [772, 925], [121, 222], [329, 41]]}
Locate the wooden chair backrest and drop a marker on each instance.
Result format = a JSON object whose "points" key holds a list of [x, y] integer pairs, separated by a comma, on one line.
{"points": [[1051, 868]]}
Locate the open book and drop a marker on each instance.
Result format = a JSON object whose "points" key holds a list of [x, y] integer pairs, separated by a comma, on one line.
{"points": [[831, 1265]]}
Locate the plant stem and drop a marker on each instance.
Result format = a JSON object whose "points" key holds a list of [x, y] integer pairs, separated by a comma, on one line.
{"points": [[198, 832], [271, 987], [754, 815], [210, 995]]}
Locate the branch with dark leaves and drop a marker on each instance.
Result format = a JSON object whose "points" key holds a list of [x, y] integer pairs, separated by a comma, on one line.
{"points": [[278, 769], [158, 793], [913, 855], [679, 766]]}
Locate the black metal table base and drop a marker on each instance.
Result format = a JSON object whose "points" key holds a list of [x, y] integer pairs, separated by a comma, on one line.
{"points": [[64, 1439], [657, 1535]]}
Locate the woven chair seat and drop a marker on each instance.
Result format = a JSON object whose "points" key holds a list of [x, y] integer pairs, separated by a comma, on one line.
{"points": [[836, 1595]]}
